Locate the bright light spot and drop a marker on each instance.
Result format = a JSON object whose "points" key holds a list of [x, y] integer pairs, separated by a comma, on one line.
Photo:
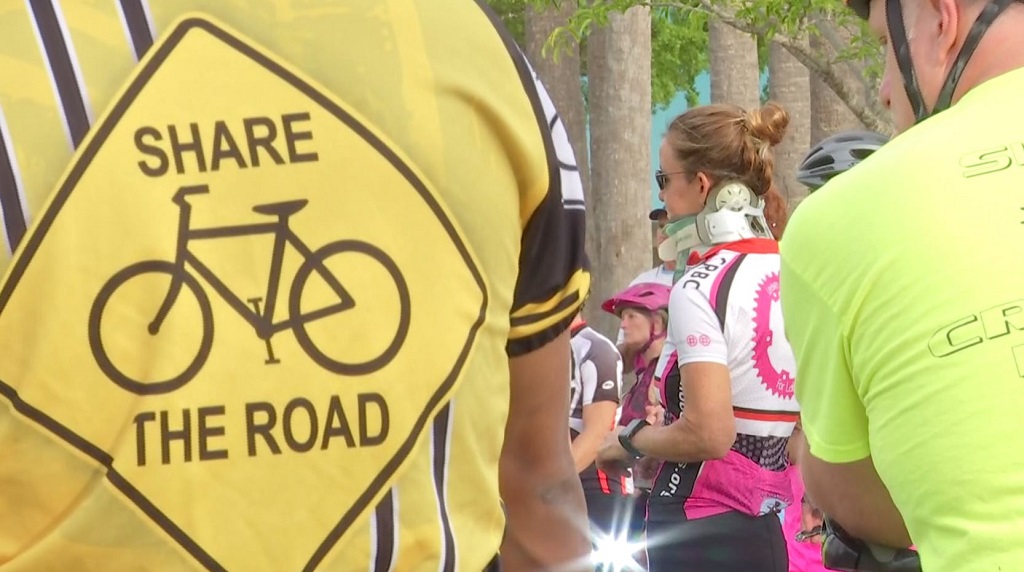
{"points": [[616, 554]]}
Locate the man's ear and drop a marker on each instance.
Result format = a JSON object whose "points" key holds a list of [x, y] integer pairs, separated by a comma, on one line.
{"points": [[949, 16]]}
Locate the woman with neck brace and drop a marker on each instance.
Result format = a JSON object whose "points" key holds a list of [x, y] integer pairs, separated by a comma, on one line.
{"points": [[717, 495]]}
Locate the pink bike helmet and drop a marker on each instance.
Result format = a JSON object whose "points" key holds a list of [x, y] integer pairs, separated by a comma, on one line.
{"points": [[653, 297], [650, 296]]}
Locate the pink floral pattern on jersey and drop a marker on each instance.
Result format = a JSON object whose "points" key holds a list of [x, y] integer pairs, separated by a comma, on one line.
{"points": [[780, 383]]}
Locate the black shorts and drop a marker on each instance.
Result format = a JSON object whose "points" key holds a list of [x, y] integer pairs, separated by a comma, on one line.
{"points": [[610, 514], [611, 517], [729, 542], [638, 518]]}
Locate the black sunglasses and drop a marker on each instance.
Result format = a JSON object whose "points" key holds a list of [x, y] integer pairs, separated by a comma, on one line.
{"points": [[661, 177]]}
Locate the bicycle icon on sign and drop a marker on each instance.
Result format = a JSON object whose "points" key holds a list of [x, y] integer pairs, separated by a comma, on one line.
{"points": [[182, 271]]}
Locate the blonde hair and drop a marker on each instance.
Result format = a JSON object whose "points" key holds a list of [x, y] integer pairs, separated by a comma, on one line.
{"points": [[724, 141]]}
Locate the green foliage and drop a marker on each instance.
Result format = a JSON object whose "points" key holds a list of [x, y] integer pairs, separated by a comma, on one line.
{"points": [[865, 50], [785, 21], [679, 53], [512, 14], [765, 17], [679, 43], [764, 50]]}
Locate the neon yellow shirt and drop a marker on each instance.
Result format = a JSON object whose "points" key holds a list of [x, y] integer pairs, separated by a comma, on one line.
{"points": [[268, 280], [902, 295]]}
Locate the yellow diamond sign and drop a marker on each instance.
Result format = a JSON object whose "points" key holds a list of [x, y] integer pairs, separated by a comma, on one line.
{"points": [[239, 302]]}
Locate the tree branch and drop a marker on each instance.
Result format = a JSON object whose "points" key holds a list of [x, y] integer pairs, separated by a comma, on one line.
{"points": [[837, 35], [818, 64], [864, 107], [870, 113]]}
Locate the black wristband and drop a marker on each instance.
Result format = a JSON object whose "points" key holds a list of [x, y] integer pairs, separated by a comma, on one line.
{"points": [[626, 437]]}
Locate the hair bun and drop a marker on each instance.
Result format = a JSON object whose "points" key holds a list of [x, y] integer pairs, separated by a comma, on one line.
{"points": [[768, 123]]}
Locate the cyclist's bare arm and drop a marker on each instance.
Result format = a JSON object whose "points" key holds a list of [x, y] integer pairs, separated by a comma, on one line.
{"points": [[854, 495], [707, 428], [600, 376], [598, 419], [547, 522]]}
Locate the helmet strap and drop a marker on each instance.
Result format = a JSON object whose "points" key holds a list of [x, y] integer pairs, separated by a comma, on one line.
{"points": [[898, 38], [974, 35], [898, 35], [652, 336]]}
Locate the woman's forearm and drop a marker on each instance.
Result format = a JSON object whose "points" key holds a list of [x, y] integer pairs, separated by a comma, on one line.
{"points": [[680, 442]]}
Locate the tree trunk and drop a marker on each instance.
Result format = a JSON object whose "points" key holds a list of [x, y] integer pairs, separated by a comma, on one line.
{"points": [[829, 114], [619, 64], [735, 74], [789, 85]]}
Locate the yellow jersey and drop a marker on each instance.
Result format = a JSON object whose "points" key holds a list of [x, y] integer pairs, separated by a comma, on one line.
{"points": [[265, 262]]}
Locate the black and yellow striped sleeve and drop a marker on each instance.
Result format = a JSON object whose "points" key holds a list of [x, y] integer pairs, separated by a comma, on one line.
{"points": [[553, 279], [554, 275]]}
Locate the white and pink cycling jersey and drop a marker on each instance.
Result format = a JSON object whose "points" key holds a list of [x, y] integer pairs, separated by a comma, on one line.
{"points": [[725, 309]]}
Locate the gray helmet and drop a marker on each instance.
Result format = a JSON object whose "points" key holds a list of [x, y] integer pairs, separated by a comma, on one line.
{"points": [[837, 154]]}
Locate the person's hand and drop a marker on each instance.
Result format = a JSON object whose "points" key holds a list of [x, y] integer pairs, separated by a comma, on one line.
{"points": [[647, 468], [810, 519], [612, 458], [655, 414], [797, 446], [653, 394]]}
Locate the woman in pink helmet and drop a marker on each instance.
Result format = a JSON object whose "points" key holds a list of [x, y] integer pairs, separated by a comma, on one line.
{"points": [[643, 311]]}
